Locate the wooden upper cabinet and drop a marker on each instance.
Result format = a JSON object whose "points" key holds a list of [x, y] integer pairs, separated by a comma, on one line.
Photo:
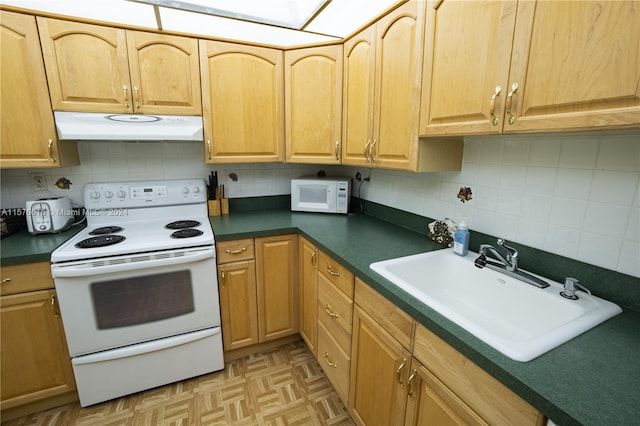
{"points": [[94, 68], [399, 43], [87, 66], [467, 55], [165, 74], [358, 79], [557, 66], [313, 104], [577, 65], [243, 103], [28, 131]]}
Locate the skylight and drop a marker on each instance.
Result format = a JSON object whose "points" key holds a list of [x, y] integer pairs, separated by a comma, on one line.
{"points": [[282, 23]]}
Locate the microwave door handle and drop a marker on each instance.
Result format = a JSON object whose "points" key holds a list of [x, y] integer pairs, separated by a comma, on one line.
{"points": [[145, 348], [88, 268]]}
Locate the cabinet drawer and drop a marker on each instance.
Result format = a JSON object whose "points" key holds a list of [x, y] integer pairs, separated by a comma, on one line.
{"points": [[335, 362], [234, 251], [335, 312], [485, 395], [337, 274], [25, 277], [391, 318]]}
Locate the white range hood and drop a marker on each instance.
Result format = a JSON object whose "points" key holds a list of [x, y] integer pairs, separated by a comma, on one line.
{"points": [[82, 126]]}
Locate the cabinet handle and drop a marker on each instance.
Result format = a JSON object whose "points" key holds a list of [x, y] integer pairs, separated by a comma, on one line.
{"points": [[328, 361], [329, 311], [399, 372], [229, 251], [372, 149], [222, 278], [338, 150], [208, 149], [5, 281], [412, 376], [367, 147], [494, 119], [52, 157], [54, 305], [314, 259], [125, 89], [514, 89], [332, 272], [137, 93]]}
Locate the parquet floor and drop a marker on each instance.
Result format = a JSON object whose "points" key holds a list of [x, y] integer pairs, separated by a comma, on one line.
{"points": [[283, 386]]}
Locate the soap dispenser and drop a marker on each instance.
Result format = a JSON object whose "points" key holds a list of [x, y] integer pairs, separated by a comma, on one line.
{"points": [[461, 239]]}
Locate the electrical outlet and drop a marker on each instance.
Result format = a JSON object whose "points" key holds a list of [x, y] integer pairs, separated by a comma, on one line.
{"points": [[38, 182]]}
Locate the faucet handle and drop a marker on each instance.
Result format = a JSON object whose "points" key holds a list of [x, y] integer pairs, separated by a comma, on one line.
{"points": [[512, 253]]}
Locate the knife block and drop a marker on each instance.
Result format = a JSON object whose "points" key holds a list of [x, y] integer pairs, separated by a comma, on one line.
{"points": [[224, 205], [214, 207]]}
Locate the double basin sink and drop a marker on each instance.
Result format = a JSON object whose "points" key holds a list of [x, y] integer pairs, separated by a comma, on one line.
{"points": [[517, 319]]}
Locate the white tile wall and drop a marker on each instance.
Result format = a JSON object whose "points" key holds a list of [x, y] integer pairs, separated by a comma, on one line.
{"points": [[576, 195]]}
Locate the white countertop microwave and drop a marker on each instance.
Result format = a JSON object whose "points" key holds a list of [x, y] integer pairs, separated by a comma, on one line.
{"points": [[321, 194]]}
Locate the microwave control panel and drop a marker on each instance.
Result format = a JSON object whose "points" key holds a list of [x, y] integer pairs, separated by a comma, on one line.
{"points": [[342, 202]]}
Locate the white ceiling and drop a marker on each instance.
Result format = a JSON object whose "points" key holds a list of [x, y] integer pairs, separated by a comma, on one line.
{"points": [[290, 22]]}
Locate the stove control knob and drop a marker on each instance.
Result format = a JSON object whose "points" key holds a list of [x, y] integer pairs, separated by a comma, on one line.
{"points": [[94, 195], [108, 194], [122, 194], [196, 189], [185, 190]]}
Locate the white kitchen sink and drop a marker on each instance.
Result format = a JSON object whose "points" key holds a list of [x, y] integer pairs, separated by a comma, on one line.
{"points": [[516, 318]]}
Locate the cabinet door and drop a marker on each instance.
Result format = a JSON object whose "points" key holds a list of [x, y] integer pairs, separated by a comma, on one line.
{"points": [[313, 104], [397, 93], [28, 131], [577, 65], [237, 287], [87, 66], [379, 366], [243, 103], [35, 361], [430, 402], [165, 74], [357, 106], [308, 288], [277, 279], [467, 55]]}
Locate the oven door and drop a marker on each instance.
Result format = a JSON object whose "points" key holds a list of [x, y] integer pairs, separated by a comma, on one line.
{"points": [[118, 301]]}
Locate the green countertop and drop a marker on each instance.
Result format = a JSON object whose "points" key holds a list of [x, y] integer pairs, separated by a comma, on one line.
{"points": [[594, 379], [23, 247]]}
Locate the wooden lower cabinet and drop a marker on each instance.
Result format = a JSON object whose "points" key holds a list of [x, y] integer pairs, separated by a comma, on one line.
{"points": [[238, 304], [36, 367], [258, 286], [379, 366], [308, 292], [277, 283]]}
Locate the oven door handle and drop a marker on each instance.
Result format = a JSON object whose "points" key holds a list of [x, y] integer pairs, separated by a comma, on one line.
{"points": [[145, 348], [133, 262]]}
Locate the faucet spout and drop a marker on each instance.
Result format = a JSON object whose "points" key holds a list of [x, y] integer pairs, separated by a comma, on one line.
{"points": [[507, 264]]}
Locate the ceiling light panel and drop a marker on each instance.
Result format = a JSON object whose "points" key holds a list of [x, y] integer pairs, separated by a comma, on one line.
{"points": [[286, 13], [231, 29], [114, 11], [343, 17]]}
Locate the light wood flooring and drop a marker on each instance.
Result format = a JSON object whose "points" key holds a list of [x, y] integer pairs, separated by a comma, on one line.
{"points": [[283, 386]]}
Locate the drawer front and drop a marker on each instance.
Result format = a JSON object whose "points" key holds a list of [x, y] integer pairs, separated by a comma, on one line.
{"points": [[25, 277], [335, 312], [337, 274], [335, 363], [391, 318], [235, 251]]}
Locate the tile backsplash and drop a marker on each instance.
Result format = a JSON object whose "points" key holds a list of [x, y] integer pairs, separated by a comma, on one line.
{"points": [[576, 195]]}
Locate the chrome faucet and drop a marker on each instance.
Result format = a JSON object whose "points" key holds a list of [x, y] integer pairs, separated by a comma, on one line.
{"points": [[507, 264]]}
